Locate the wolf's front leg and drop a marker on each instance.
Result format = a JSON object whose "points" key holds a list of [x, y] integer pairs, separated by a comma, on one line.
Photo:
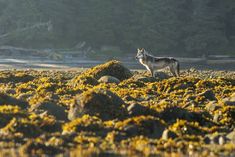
{"points": [[152, 72]]}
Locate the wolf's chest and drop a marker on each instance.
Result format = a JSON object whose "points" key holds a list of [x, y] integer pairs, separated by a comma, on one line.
{"points": [[144, 64], [141, 61]]}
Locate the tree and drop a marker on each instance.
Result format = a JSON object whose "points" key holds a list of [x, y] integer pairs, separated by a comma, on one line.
{"points": [[206, 31]]}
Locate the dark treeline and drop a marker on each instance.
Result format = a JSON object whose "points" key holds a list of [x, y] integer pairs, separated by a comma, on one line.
{"points": [[184, 27]]}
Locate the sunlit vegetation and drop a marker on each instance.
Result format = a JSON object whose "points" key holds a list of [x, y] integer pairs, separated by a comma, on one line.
{"points": [[51, 112]]}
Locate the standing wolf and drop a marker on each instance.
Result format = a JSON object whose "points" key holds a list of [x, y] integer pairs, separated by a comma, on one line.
{"points": [[153, 63]]}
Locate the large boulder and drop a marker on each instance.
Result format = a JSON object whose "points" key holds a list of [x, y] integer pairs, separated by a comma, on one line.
{"points": [[112, 68], [100, 102]]}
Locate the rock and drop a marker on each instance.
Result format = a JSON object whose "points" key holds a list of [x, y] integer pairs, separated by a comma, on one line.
{"points": [[24, 96], [17, 78], [109, 79], [115, 136], [170, 114], [132, 83], [8, 100], [84, 80], [161, 76], [131, 130], [102, 103], [154, 128], [51, 108], [25, 127], [112, 68], [84, 123], [89, 80], [143, 125], [208, 94], [135, 109]]}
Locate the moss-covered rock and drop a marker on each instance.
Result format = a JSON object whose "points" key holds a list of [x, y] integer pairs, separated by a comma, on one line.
{"points": [[8, 112], [84, 123], [139, 116], [135, 109], [84, 80], [6, 99], [28, 125], [112, 68], [142, 125], [102, 103], [16, 77], [51, 108]]}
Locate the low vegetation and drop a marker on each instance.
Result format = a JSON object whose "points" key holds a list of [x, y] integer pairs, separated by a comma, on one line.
{"points": [[52, 112]]}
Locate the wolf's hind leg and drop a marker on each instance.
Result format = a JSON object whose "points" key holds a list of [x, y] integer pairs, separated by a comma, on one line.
{"points": [[177, 69], [172, 70]]}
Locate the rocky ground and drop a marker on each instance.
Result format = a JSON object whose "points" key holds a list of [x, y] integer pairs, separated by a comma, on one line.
{"points": [[111, 110]]}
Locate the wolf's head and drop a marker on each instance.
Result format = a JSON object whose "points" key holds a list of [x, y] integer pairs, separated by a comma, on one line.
{"points": [[140, 53]]}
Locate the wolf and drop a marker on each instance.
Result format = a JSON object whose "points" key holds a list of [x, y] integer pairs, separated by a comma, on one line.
{"points": [[153, 63]]}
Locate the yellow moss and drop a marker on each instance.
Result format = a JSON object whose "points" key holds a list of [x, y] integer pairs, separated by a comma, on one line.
{"points": [[82, 139], [84, 121], [8, 109], [90, 132]]}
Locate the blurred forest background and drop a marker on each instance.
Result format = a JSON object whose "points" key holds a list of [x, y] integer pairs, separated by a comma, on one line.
{"points": [[179, 28]]}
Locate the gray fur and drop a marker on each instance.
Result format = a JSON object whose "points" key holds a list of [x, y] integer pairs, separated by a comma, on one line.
{"points": [[153, 63]]}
